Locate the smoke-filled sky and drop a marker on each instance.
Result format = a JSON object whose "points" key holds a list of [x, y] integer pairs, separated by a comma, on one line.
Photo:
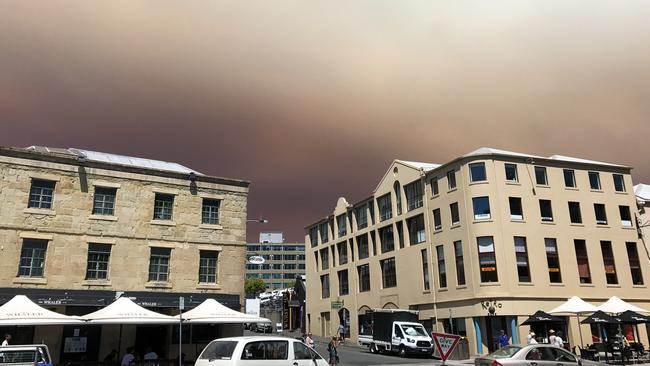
{"points": [[312, 100]]}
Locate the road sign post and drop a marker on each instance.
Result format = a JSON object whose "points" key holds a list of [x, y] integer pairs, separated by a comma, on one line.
{"points": [[445, 343]]}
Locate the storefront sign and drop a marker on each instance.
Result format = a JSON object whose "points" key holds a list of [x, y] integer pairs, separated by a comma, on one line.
{"points": [[337, 305], [491, 306]]}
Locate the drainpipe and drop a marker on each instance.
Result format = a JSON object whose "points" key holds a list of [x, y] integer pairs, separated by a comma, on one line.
{"points": [[427, 228]]}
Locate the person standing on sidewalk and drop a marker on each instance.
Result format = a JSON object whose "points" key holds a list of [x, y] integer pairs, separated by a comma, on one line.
{"points": [[7, 340], [333, 352], [503, 339]]}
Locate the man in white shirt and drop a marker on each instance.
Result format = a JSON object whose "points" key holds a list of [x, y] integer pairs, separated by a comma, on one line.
{"points": [[551, 337], [7, 340], [530, 338]]}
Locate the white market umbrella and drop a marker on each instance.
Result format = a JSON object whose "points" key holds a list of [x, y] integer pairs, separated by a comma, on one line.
{"points": [[575, 306], [20, 310], [616, 306], [213, 312], [125, 311]]}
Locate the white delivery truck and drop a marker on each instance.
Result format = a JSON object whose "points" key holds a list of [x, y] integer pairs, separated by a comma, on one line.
{"points": [[396, 331]]}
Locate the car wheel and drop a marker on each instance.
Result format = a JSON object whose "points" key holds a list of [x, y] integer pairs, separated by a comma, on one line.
{"points": [[402, 351], [373, 348]]}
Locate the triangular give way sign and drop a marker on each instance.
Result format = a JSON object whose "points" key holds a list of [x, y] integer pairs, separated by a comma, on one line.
{"points": [[445, 343]]}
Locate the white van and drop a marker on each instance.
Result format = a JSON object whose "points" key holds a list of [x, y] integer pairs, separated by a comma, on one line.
{"points": [[263, 351]]}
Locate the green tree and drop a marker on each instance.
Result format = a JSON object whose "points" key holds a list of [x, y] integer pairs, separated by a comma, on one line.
{"points": [[254, 286], [291, 284]]}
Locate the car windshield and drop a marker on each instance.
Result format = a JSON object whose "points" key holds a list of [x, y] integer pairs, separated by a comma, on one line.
{"points": [[219, 350], [505, 352], [414, 330]]}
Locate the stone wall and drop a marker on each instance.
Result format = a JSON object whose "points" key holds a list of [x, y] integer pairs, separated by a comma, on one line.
{"points": [[69, 226]]}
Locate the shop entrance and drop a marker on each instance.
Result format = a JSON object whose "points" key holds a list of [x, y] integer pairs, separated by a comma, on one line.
{"points": [[324, 324], [493, 327], [154, 336], [344, 319]]}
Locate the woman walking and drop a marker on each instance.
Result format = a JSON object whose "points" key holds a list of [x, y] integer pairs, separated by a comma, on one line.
{"points": [[333, 353]]}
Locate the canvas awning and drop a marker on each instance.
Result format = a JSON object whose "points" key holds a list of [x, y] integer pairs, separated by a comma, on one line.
{"points": [[541, 317], [631, 317], [600, 317], [20, 310], [616, 306], [574, 305], [125, 311], [211, 311]]}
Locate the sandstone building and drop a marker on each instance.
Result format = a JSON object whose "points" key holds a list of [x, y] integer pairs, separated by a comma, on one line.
{"points": [[78, 228], [478, 244]]}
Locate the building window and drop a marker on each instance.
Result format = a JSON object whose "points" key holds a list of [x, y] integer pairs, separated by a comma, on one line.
{"points": [[413, 195], [385, 209], [41, 194], [545, 210], [455, 216], [619, 183], [487, 259], [574, 213], [362, 244], [553, 260], [481, 207], [451, 179], [313, 236], [324, 259], [511, 173], [104, 201], [208, 261], [425, 269], [343, 252], [325, 286], [521, 254], [32, 258], [434, 187], [210, 212], [594, 180], [417, 233], [398, 197], [364, 277], [437, 221], [477, 172], [583, 261], [324, 232], [635, 264], [159, 264], [163, 206], [387, 239], [341, 224], [442, 270], [540, 176], [316, 260], [569, 178], [344, 287], [626, 218], [361, 214], [608, 261], [516, 211], [388, 275], [97, 266], [601, 214], [460, 263]]}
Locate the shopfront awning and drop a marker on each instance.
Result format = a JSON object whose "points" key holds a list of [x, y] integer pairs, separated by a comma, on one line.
{"points": [[574, 305], [20, 310], [616, 306], [211, 311], [600, 317], [125, 311], [541, 317]]}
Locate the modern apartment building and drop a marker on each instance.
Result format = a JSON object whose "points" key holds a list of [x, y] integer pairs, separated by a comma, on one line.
{"points": [[79, 228], [478, 244], [283, 262]]}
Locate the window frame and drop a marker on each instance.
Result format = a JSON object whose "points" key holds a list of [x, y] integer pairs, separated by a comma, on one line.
{"points": [[325, 290], [480, 170], [460, 263], [517, 202], [442, 268], [574, 205], [546, 218], [157, 257], [414, 195], [163, 206], [522, 262], [483, 215], [607, 252], [490, 261], [624, 210], [388, 272], [552, 256], [104, 201], [636, 272], [599, 208], [387, 246], [451, 180], [595, 175], [435, 189], [451, 212], [417, 230], [437, 220], [209, 266], [541, 170], [363, 272], [385, 206], [570, 180], [515, 170], [361, 224], [37, 250], [344, 286], [41, 194], [425, 270], [582, 259], [621, 181], [98, 261]]}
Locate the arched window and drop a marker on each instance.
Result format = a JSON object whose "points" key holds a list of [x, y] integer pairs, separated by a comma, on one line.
{"points": [[398, 197]]}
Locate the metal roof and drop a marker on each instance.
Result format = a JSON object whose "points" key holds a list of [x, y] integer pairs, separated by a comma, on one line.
{"points": [[419, 165], [642, 192], [117, 159]]}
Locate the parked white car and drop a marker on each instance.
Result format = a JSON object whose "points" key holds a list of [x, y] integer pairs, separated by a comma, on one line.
{"points": [[260, 350]]}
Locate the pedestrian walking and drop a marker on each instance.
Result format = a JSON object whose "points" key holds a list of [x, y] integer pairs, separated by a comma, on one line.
{"points": [[551, 337], [309, 340], [333, 352], [503, 339], [341, 333], [558, 341], [7, 340]]}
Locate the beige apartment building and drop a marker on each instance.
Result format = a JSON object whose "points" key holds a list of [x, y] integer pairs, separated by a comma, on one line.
{"points": [[80, 228], [478, 244]]}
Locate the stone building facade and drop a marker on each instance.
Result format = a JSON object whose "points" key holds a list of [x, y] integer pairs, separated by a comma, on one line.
{"points": [[477, 245], [78, 228]]}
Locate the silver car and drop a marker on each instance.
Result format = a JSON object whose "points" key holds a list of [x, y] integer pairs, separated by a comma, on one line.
{"points": [[531, 355]]}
